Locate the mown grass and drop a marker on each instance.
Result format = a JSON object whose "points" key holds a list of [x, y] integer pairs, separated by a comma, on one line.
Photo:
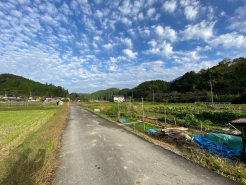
{"points": [[34, 158]]}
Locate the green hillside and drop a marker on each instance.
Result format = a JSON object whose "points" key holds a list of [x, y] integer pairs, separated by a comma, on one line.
{"points": [[103, 94], [228, 77], [227, 80], [16, 85]]}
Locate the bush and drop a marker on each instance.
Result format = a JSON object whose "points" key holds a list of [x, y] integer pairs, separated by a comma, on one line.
{"points": [[190, 119]]}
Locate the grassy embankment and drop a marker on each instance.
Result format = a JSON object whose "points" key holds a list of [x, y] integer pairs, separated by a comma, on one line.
{"points": [[231, 168], [29, 141]]}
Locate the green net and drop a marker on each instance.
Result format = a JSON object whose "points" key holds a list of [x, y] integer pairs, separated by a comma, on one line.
{"points": [[230, 141]]}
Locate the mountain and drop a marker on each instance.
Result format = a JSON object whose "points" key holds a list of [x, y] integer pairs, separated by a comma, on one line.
{"points": [[226, 81], [228, 77], [103, 94], [16, 85]]}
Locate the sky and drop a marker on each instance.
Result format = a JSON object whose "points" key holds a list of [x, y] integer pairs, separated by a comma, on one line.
{"points": [[90, 45]]}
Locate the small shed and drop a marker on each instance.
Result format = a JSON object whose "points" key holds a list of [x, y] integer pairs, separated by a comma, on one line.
{"points": [[241, 122]]}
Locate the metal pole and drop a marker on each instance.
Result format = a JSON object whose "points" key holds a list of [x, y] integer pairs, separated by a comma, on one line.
{"points": [[143, 114], [153, 96], [131, 105], [118, 110], [212, 97], [165, 114]]}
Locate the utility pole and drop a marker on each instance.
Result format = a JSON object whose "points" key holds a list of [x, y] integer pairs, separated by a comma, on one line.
{"points": [[143, 114], [118, 109], [165, 113], [153, 96], [212, 97], [131, 105], [132, 95]]}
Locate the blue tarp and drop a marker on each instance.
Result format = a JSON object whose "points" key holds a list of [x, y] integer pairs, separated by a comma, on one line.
{"points": [[216, 148], [151, 130], [123, 120]]}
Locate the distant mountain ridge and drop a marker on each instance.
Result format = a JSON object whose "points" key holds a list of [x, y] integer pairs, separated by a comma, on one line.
{"points": [[11, 84], [227, 80]]}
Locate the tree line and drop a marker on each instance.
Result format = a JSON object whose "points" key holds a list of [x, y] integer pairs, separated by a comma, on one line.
{"points": [[225, 82], [13, 85]]}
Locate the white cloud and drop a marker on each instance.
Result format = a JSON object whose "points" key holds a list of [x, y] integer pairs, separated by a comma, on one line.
{"points": [[126, 7], [153, 43], [16, 13], [167, 33], [130, 53], [170, 6], [65, 9], [203, 30], [97, 38], [51, 9], [162, 48], [127, 42], [141, 16], [191, 8], [99, 13], [108, 46], [166, 48], [191, 12], [126, 21], [151, 12], [238, 22], [229, 40], [113, 60]]}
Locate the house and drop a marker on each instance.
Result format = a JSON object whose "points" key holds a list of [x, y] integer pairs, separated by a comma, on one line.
{"points": [[118, 98]]}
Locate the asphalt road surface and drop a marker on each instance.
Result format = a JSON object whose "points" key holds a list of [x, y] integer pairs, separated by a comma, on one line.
{"points": [[97, 151]]}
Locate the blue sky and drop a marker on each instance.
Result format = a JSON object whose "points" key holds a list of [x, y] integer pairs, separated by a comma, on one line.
{"points": [[90, 45]]}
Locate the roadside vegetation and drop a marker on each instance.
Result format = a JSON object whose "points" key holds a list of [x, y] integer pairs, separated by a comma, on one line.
{"points": [[199, 118], [29, 141]]}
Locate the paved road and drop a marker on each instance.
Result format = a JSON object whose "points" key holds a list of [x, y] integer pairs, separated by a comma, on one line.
{"points": [[96, 151]]}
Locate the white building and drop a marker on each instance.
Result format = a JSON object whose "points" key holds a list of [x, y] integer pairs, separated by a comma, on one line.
{"points": [[118, 98]]}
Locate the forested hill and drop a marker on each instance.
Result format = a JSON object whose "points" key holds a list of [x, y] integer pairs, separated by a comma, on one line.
{"points": [[227, 80], [228, 77], [103, 94], [19, 86]]}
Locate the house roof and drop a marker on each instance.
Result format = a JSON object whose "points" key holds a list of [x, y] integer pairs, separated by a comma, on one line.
{"points": [[239, 121]]}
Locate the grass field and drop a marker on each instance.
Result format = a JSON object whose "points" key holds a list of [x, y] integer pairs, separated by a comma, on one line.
{"points": [[29, 140]]}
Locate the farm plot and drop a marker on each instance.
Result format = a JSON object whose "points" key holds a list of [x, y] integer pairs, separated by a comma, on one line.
{"points": [[16, 126]]}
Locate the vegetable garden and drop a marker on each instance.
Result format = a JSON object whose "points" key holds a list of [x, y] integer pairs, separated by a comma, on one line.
{"points": [[198, 117]]}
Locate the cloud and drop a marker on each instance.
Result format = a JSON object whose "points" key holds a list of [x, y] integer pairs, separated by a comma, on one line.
{"points": [[238, 22], [108, 46], [191, 8], [202, 30], [130, 53], [170, 6], [229, 40], [126, 21], [162, 48], [16, 13], [151, 12], [191, 12], [166, 33], [127, 42]]}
